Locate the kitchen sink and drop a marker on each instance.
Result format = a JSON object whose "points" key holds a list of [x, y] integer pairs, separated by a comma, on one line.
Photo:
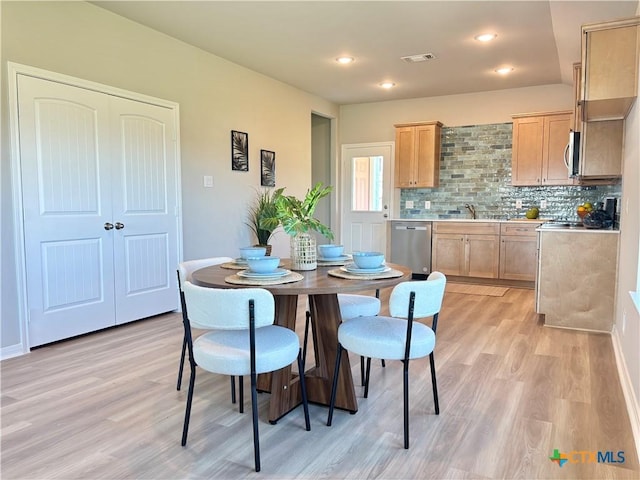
{"points": [[571, 225]]}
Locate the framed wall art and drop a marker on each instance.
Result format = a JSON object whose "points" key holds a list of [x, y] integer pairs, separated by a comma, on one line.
{"points": [[239, 151], [267, 168]]}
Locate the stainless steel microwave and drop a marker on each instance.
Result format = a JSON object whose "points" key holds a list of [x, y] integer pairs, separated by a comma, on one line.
{"points": [[572, 154]]}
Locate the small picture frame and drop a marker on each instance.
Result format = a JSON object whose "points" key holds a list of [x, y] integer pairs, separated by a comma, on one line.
{"points": [[239, 151], [267, 168]]}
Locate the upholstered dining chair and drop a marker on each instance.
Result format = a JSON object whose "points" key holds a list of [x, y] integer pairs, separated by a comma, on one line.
{"points": [[185, 270], [351, 306], [242, 340], [398, 336]]}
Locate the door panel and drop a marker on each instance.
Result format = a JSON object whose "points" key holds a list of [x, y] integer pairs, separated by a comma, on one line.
{"points": [[144, 202], [366, 196], [100, 208], [65, 195]]}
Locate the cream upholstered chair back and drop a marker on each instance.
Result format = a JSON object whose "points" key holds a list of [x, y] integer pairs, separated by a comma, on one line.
{"points": [[186, 269], [428, 301], [226, 308]]}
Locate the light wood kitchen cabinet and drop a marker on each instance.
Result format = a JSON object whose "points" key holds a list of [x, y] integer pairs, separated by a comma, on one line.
{"points": [[538, 147], [417, 155], [466, 249], [609, 68], [519, 251], [577, 273], [601, 143]]}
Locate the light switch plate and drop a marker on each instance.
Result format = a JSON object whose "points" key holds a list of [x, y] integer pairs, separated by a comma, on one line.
{"points": [[427, 205], [409, 204], [518, 203], [208, 181], [543, 204]]}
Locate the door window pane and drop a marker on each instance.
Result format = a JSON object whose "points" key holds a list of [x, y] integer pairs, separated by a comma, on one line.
{"points": [[366, 188]]}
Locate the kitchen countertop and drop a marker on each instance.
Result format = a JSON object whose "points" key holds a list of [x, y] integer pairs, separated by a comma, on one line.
{"points": [[511, 220]]}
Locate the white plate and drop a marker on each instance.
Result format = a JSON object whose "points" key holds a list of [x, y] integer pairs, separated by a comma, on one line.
{"points": [[277, 273], [334, 259], [351, 268]]}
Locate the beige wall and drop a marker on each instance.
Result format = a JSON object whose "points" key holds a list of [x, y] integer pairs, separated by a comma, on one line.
{"points": [[627, 315], [373, 122], [215, 96]]}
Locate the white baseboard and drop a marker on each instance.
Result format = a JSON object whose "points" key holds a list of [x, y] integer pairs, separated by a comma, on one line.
{"points": [[633, 408], [12, 351]]}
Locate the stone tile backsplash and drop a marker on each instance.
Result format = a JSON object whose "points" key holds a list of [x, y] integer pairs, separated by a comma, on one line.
{"points": [[475, 169]]}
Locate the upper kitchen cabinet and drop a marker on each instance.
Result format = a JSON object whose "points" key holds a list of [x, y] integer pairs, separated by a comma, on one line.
{"points": [[417, 154], [539, 142], [610, 68]]}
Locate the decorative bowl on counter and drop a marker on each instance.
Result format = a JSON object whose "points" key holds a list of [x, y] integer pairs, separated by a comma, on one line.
{"points": [[597, 219], [368, 259]]}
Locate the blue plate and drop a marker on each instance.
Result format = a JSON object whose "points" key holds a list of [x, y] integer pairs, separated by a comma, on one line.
{"points": [[277, 273], [339, 258], [351, 268]]}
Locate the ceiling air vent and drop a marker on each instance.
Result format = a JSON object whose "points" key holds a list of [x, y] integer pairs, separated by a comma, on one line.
{"points": [[422, 57]]}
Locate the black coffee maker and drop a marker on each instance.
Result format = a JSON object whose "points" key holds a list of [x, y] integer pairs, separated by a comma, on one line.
{"points": [[611, 207]]}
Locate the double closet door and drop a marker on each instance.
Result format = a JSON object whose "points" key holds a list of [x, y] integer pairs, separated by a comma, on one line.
{"points": [[100, 208]]}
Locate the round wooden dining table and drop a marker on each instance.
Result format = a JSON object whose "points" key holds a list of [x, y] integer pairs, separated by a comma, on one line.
{"points": [[322, 290]]}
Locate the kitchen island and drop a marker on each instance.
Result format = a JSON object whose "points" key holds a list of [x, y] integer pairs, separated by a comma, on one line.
{"points": [[576, 283]]}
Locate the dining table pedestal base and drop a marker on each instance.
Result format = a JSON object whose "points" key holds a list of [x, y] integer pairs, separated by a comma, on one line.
{"points": [[283, 384]]}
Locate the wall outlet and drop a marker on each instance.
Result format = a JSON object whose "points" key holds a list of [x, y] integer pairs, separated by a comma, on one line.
{"points": [[427, 205], [409, 204], [518, 203], [543, 204], [207, 181]]}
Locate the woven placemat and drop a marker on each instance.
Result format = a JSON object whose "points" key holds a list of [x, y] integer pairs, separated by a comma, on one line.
{"points": [[256, 282], [336, 272]]}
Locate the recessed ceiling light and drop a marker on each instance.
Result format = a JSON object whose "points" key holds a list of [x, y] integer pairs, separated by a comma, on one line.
{"points": [[345, 60], [485, 37], [504, 70], [387, 85]]}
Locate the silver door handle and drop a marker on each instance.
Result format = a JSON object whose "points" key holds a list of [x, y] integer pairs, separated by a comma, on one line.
{"points": [[108, 226], [119, 226]]}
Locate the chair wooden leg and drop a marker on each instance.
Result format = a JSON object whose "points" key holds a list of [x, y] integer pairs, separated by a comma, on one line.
{"points": [[366, 378], [187, 413], [406, 402], [434, 383], [233, 388], [254, 410], [181, 368], [303, 391], [334, 385], [241, 394]]}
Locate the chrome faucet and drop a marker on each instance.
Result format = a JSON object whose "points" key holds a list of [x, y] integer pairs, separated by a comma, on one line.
{"points": [[472, 210]]}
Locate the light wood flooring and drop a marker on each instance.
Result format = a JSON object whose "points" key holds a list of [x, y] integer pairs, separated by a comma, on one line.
{"points": [[511, 391]]}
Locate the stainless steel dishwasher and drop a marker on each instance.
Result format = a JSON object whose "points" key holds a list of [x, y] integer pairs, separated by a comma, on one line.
{"points": [[411, 246]]}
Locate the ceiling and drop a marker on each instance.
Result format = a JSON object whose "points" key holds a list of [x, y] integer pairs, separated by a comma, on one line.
{"points": [[297, 42]]}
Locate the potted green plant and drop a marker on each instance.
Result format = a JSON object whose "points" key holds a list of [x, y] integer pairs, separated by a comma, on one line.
{"points": [[263, 207], [297, 220]]}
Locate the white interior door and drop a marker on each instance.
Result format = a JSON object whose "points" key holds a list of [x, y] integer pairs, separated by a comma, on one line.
{"points": [[66, 203], [366, 195], [99, 187], [144, 209]]}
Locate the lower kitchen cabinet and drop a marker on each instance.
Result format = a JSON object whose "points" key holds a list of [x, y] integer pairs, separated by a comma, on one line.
{"points": [[469, 249], [577, 278], [518, 251]]}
